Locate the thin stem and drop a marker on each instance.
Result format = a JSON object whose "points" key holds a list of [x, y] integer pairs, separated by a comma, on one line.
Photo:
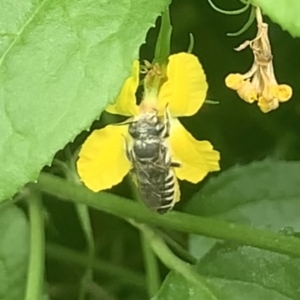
{"points": [[84, 217], [172, 261], [192, 43], [35, 275], [125, 276], [180, 250], [83, 214], [70, 172], [209, 227], [162, 47], [151, 266]]}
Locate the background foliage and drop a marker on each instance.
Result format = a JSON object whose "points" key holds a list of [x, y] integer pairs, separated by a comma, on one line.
{"points": [[61, 62]]}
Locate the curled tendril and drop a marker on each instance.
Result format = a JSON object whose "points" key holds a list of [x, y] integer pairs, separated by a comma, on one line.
{"points": [[191, 44], [207, 101], [245, 1], [230, 12], [246, 25], [236, 12]]}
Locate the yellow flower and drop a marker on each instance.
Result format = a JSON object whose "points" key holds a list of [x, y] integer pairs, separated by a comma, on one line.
{"points": [[182, 86], [259, 83]]}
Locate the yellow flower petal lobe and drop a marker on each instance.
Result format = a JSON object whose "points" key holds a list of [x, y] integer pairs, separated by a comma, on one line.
{"points": [[185, 89], [282, 92], [126, 102], [247, 92], [102, 159], [234, 81], [197, 158], [267, 105]]}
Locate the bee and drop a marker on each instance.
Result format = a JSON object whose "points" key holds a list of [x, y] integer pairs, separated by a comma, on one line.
{"points": [[151, 161]]}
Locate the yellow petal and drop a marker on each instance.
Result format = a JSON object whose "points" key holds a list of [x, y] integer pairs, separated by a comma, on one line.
{"points": [[126, 102], [234, 81], [282, 92], [267, 105], [247, 92], [197, 158], [102, 159], [186, 87]]}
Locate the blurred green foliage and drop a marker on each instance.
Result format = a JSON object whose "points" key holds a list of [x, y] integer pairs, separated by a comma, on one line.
{"points": [[240, 131], [242, 134]]}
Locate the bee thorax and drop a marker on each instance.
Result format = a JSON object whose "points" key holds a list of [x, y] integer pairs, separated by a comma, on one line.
{"points": [[146, 149]]}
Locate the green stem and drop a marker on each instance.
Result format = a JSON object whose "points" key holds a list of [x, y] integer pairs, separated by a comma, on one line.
{"points": [[192, 43], [151, 266], [179, 221], [70, 172], [84, 217], [120, 274], [162, 47], [152, 272], [35, 275], [160, 248], [180, 250]]}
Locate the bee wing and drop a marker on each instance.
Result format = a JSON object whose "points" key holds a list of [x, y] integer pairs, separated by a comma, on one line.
{"points": [[148, 175], [149, 180]]}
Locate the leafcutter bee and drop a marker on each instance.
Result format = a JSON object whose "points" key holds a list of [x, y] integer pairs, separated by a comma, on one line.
{"points": [[152, 165]]}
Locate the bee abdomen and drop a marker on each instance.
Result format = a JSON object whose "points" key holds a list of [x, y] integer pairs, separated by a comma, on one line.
{"points": [[167, 194]]}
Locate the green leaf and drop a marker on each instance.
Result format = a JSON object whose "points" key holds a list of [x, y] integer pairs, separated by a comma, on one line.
{"points": [[263, 194], [239, 272], [14, 250], [285, 13], [243, 267], [176, 287], [162, 47], [61, 63]]}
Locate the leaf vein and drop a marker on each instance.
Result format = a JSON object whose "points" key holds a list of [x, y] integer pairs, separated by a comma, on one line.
{"points": [[255, 284], [19, 33]]}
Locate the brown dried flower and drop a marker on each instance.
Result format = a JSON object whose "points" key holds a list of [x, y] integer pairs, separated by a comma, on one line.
{"points": [[259, 83]]}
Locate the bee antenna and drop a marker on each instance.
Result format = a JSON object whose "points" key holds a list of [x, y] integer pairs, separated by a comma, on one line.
{"points": [[124, 123]]}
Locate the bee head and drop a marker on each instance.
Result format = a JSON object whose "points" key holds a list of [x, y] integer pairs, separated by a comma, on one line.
{"points": [[146, 125]]}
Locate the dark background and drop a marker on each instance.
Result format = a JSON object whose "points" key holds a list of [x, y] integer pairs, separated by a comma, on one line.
{"points": [[240, 131]]}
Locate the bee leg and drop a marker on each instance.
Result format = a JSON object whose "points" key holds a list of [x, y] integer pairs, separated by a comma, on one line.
{"points": [[175, 164], [127, 151], [157, 166], [168, 122], [128, 155]]}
